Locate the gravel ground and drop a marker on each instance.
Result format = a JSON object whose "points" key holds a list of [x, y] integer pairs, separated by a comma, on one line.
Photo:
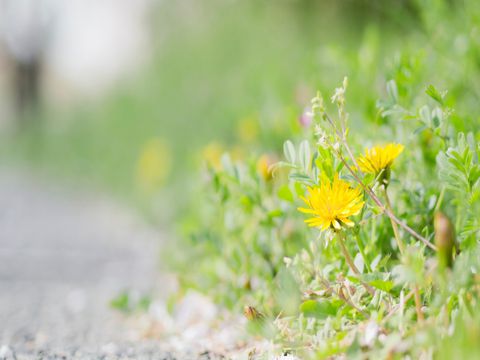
{"points": [[64, 255]]}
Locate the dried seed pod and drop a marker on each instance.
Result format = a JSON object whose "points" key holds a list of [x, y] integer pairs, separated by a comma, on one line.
{"points": [[252, 314]]}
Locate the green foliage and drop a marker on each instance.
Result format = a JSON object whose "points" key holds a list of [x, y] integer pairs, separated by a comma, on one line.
{"points": [[459, 173], [367, 298], [129, 302], [459, 169], [318, 309]]}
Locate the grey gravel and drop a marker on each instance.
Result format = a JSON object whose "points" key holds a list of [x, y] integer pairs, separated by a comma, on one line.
{"points": [[64, 254]]}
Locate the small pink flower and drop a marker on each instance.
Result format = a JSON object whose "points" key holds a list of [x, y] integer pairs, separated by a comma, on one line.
{"points": [[305, 119]]}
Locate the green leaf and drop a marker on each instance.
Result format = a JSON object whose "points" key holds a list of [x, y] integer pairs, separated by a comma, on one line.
{"points": [[458, 168], [434, 94], [325, 162], [305, 156], [275, 213], [289, 151], [359, 262], [392, 91], [285, 193], [144, 303], [437, 117], [384, 261], [302, 178], [420, 129], [384, 285], [318, 309], [282, 164], [425, 115], [121, 302], [299, 189]]}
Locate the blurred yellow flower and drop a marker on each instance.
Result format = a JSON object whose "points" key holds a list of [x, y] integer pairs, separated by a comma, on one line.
{"points": [[248, 129], [332, 203], [237, 153], [264, 163], [379, 158], [153, 164], [212, 154]]}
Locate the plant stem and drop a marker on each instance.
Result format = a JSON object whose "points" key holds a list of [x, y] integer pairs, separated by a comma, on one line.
{"points": [[348, 258], [418, 304], [401, 245], [440, 200]]}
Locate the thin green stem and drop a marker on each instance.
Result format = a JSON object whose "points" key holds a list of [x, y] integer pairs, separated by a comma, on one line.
{"points": [[440, 200], [361, 248], [418, 304], [346, 254], [400, 244], [349, 260]]}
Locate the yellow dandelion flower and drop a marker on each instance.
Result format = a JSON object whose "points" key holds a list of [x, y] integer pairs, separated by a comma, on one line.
{"points": [[379, 158], [332, 203]]}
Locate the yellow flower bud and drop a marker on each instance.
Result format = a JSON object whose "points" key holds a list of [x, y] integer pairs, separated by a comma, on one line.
{"points": [[263, 166]]}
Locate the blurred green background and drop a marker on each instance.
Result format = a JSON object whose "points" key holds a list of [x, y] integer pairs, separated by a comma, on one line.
{"points": [[241, 73]]}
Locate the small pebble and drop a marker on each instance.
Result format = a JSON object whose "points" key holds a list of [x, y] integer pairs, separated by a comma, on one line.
{"points": [[7, 353]]}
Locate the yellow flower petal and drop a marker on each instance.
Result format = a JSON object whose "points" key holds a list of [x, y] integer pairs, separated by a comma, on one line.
{"points": [[331, 204], [379, 158]]}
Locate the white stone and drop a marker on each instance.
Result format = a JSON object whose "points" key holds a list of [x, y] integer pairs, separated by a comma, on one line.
{"points": [[6, 352]]}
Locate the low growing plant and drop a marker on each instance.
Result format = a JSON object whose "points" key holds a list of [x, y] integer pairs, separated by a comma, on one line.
{"points": [[336, 252]]}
